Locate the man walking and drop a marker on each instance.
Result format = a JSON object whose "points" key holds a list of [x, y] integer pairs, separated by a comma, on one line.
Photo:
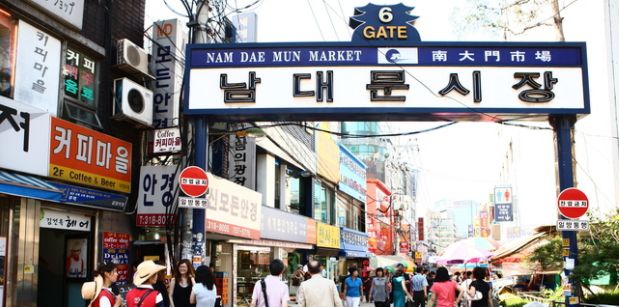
{"points": [[271, 291], [317, 291], [420, 288]]}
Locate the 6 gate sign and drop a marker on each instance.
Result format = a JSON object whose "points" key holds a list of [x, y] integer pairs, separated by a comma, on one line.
{"points": [[573, 203], [193, 181]]}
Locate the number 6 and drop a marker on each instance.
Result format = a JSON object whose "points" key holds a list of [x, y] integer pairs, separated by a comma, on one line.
{"points": [[385, 15]]}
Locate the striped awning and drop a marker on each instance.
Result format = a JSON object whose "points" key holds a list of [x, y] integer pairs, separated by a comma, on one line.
{"points": [[28, 186]]}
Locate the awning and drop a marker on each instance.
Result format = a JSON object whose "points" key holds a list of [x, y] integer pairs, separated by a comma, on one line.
{"points": [[382, 261], [37, 188], [515, 246], [28, 186]]}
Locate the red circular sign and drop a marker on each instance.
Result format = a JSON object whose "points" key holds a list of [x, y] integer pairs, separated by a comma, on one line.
{"points": [[573, 203], [193, 181]]}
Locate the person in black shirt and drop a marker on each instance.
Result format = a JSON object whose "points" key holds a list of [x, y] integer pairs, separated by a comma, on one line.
{"points": [[479, 285]]}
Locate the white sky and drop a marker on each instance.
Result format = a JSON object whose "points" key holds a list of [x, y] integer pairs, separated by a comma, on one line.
{"points": [[463, 161]]}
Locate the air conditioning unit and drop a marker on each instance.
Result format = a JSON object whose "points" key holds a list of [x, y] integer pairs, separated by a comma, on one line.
{"points": [[131, 58], [133, 102]]}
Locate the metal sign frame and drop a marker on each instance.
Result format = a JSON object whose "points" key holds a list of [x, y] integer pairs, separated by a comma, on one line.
{"points": [[464, 113]]}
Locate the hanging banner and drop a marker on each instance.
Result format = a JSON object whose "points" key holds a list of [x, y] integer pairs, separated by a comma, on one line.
{"points": [[38, 68], [169, 43], [242, 161], [88, 157], [156, 196]]}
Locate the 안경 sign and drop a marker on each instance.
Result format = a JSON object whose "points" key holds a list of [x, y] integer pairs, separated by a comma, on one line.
{"points": [[386, 73]]}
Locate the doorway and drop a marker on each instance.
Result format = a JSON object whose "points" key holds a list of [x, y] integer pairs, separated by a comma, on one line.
{"points": [[63, 267]]}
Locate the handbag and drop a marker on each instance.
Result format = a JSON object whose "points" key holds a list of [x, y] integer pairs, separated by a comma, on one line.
{"points": [[478, 295]]}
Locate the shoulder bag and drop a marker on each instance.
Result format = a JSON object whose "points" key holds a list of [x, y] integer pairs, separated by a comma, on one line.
{"points": [[478, 295], [263, 285]]}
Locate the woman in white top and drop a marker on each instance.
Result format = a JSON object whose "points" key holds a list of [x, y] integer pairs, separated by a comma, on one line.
{"points": [[204, 292]]}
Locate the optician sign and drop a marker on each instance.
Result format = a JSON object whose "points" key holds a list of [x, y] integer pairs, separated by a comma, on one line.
{"points": [[284, 226], [233, 209], [386, 73], [156, 196]]}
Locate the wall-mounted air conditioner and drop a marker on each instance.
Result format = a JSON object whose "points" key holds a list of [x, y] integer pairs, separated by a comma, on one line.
{"points": [[133, 102], [131, 58]]}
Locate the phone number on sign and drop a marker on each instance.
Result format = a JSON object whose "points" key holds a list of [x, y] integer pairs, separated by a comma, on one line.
{"points": [[155, 219]]}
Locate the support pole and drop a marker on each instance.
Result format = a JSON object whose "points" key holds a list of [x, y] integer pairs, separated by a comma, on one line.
{"points": [[564, 127]]}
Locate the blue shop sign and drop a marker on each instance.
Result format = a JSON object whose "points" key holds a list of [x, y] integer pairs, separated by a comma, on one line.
{"points": [[352, 175], [352, 240], [88, 197]]}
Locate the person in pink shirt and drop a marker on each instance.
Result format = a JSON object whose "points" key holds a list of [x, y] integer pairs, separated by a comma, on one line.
{"points": [[275, 293], [444, 290]]}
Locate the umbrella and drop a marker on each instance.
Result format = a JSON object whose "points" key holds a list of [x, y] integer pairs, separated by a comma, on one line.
{"points": [[463, 252], [482, 243]]}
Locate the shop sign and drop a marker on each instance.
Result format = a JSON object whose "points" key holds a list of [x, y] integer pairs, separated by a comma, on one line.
{"points": [[284, 226], [88, 197], [24, 135], [64, 220], [420, 229], [386, 71], [116, 251], [353, 240], [70, 11], [156, 195], [169, 43], [167, 140], [89, 157], [327, 236], [242, 160], [37, 68], [503, 213], [233, 209], [352, 175], [80, 78]]}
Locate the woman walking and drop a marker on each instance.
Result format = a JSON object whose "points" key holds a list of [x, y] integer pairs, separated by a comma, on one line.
{"points": [[478, 285], [400, 291], [101, 288], [204, 292], [444, 290], [181, 284], [379, 289]]}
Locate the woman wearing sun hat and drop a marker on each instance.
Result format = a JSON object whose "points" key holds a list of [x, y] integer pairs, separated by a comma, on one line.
{"points": [[143, 295], [99, 291]]}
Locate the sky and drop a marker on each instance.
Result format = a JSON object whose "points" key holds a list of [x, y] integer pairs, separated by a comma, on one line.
{"points": [[467, 160]]}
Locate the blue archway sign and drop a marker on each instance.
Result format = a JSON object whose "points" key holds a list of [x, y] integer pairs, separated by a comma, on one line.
{"points": [[384, 23], [386, 73]]}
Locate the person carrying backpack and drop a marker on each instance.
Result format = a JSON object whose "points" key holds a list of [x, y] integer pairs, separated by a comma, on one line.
{"points": [[143, 295]]}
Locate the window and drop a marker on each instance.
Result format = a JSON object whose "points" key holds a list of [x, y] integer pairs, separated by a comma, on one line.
{"points": [[278, 184], [80, 88], [323, 202], [295, 190], [7, 54]]}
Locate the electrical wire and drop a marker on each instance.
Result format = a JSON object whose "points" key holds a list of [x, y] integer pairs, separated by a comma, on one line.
{"points": [[316, 20]]}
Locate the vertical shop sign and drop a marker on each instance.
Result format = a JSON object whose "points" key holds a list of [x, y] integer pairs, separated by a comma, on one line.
{"points": [[89, 157], [168, 47], [70, 11], [79, 78], [156, 195], [242, 160], [352, 175], [37, 69], [24, 135], [116, 250]]}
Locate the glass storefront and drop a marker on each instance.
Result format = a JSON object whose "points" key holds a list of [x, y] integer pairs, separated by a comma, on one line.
{"points": [[252, 265]]}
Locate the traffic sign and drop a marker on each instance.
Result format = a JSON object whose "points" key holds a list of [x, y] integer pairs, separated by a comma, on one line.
{"points": [[573, 203], [572, 225], [193, 181], [192, 203]]}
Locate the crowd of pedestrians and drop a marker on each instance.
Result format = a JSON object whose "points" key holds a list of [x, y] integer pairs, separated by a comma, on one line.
{"points": [[189, 288]]}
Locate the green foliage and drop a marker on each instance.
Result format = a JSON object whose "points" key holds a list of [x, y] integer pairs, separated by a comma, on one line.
{"points": [[554, 295], [599, 251], [513, 301], [608, 298], [549, 256]]}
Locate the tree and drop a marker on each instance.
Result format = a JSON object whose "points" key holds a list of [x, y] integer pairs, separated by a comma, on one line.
{"points": [[599, 251], [511, 18], [549, 256]]}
